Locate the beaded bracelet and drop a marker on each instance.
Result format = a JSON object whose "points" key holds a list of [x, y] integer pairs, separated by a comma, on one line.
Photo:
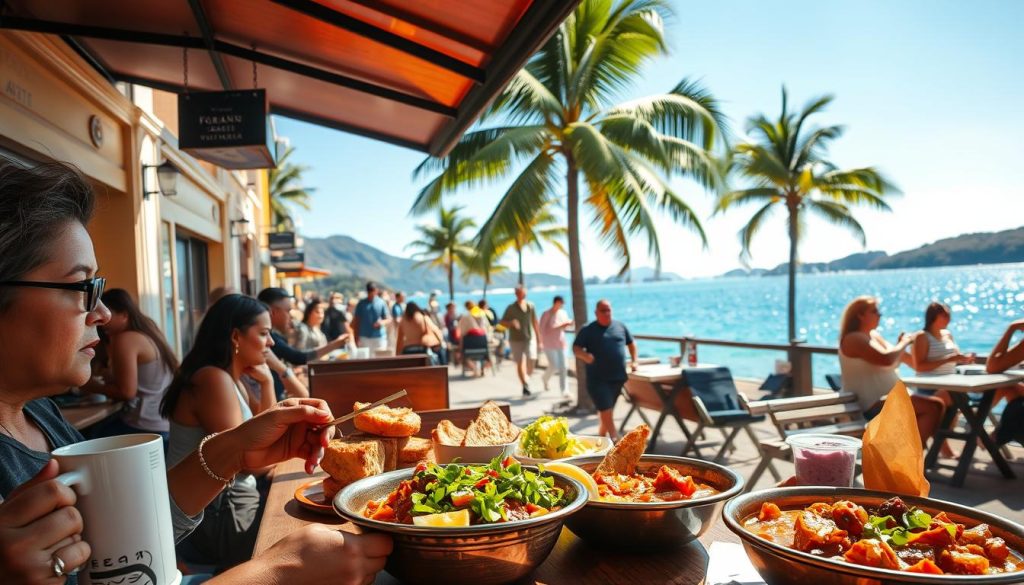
{"points": [[206, 468]]}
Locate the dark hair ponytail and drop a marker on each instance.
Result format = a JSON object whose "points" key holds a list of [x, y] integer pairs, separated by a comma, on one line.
{"points": [[119, 301], [212, 345]]}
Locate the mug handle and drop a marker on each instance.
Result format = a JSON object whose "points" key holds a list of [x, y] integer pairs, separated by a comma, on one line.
{"points": [[76, 477]]}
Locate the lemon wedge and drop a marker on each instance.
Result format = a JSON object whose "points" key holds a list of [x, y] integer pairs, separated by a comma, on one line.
{"points": [[457, 518], [574, 472]]}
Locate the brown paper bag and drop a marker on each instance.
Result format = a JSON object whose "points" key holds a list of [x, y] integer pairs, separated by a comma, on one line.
{"points": [[892, 457]]}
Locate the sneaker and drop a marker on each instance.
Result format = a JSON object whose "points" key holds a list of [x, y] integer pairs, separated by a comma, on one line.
{"points": [[526, 391], [545, 385]]}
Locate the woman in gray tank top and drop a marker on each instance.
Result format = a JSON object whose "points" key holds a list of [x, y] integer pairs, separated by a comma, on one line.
{"points": [[141, 365], [207, 396]]}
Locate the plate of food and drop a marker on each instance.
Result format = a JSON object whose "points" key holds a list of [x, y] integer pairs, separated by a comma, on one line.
{"points": [[310, 496], [491, 434], [850, 536], [648, 502], [478, 524], [548, 438]]}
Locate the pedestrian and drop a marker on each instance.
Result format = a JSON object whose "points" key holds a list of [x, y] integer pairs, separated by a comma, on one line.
{"points": [[521, 320], [601, 345], [335, 322], [370, 320], [553, 324], [397, 309]]}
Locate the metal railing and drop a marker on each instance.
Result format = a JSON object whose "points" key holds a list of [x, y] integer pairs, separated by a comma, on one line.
{"points": [[799, 354]]}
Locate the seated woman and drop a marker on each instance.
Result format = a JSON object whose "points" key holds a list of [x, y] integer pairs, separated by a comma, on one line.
{"points": [[141, 365], [207, 396], [868, 364], [307, 332], [473, 339], [417, 333], [50, 309], [1003, 357]]}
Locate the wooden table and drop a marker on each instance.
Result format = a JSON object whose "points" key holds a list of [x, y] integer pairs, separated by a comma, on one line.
{"points": [[959, 386], [667, 380], [571, 561], [81, 417]]}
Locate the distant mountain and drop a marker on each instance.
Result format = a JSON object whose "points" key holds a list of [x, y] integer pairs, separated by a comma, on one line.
{"points": [[965, 249], [643, 274], [351, 261]]}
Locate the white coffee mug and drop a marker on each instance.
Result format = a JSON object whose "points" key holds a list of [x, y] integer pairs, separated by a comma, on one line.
{"points": [[121, 484]]}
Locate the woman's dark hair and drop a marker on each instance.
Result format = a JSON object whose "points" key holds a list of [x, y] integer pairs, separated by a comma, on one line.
{"points": [[34, 203], [310, 307], [933, 311], [119, 301], [212, 346], [411, 308]]}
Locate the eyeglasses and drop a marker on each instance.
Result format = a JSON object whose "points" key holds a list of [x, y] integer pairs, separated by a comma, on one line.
{"points": [[92, 287]]}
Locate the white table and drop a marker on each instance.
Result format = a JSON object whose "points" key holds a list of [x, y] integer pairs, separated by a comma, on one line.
{"points": [[959, 386]]}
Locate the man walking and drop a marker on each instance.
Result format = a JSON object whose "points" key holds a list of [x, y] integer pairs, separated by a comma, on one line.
{"points": [[601, 345], [520, 319], [553, 324], [397, 308], [370, 320]]}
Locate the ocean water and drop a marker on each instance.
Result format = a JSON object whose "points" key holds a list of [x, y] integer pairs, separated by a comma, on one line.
{"points": [[983, 299]]}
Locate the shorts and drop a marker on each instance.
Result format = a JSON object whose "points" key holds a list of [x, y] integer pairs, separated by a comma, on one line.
{"points": [[604, 393], [521, 348]]}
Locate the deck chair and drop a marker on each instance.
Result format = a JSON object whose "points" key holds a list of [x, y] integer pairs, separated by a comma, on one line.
{"points": [[776, 384], [835, 381], [475, 349], [718, 404]]}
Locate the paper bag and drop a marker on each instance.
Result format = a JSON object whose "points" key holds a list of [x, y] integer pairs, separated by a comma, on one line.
{"points": [[892, 458]]}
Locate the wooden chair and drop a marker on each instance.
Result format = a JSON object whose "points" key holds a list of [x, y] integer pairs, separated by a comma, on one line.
{"points": [[834, 413], [427, 387], [384, 363], [719, 405]]}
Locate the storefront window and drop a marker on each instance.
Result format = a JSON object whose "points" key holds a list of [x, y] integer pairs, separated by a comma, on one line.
{"points": [[193, 286], [167, 284]]}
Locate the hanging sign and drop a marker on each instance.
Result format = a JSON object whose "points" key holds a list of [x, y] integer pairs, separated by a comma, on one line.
{"points": [[289, 260], [230, 129], [281, 240]]}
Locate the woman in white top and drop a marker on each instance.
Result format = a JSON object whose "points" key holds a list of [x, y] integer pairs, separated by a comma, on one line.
{"points": [[307, 333], [934, 351], [868, 364]]}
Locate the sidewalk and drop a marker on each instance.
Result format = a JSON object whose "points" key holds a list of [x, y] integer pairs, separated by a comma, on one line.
{"points": [[985, 488]]}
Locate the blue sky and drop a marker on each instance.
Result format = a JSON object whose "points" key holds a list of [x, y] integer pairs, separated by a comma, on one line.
{"points": [[931, 92]]}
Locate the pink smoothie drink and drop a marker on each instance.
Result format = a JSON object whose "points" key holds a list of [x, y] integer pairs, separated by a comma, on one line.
{"points": [[824, 460]]}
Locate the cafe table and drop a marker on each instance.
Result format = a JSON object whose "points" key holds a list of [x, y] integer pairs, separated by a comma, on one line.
{"points": [[571, 561], [672, 394], [959, 386], [82, 417]]}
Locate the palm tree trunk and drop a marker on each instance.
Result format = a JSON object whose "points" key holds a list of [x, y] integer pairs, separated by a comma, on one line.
{"points": [[451, 279], [519, 252], [793, 237], [579, 292]]}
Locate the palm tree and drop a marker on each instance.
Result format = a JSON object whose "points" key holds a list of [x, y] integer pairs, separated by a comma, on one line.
{"points": [[533, 232], [787, 162], [445, 245], [483, 263], [557, 125], [286, 190]]}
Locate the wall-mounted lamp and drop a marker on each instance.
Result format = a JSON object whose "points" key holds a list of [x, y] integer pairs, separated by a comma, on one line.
{"points": [[166, 179], [243, 222]]}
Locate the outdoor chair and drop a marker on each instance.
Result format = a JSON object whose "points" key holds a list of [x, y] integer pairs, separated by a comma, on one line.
{"points": [[835, 381], [718, 405], [475, 349], [776, 384]]}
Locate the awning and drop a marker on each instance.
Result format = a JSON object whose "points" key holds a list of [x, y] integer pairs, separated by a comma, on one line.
{"points": [[306, 272], [414, 73]]}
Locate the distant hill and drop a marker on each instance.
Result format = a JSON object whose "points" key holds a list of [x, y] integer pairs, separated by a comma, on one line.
{"points": [[350, 261], [966, 249], [643, 274]]}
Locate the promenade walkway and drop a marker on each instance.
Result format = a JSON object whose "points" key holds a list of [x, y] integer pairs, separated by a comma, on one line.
{"points": [[985, 488]]}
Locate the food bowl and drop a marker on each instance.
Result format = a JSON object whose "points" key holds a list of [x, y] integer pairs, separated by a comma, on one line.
{"points": [[595, 446], [654, 525], [778, 564], [472, 453], [485, 554]]}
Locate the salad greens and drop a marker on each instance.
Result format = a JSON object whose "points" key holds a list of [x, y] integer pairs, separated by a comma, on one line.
{"points": [[548, 438], [878, 527], [483, 489]]}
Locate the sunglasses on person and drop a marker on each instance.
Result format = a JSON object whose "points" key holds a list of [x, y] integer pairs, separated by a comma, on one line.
{"points": [[92, 287]]}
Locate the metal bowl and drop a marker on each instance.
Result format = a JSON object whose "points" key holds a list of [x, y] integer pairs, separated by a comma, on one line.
{"points": [[655, 525], [779, 564], [485, 554]]}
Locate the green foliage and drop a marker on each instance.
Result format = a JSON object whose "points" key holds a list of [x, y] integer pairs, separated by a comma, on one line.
{"points": [[286, 190], [445, 245]]}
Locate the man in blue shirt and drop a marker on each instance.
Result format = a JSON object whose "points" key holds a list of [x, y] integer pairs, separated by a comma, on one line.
{"points": [[370, 320], [601, 345]]}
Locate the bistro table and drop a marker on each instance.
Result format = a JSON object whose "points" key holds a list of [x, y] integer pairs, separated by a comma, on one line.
{"points": [[81, 417], [959, 386], [672, 393], [571, 561]]}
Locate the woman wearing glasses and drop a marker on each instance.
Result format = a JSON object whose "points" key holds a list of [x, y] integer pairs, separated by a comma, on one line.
{"points": [[868, 364], [49, 295]]}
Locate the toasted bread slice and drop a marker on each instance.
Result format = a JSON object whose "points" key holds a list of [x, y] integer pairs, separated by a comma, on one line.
{"points": [[490, 427], [623, 457], [446, 433], [352, 458], [391, 446], [331, 488], [387, 422], [415, 450]]}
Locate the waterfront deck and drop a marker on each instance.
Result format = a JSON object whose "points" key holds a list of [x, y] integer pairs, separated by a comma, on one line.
{"points": [[985, 488]]}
